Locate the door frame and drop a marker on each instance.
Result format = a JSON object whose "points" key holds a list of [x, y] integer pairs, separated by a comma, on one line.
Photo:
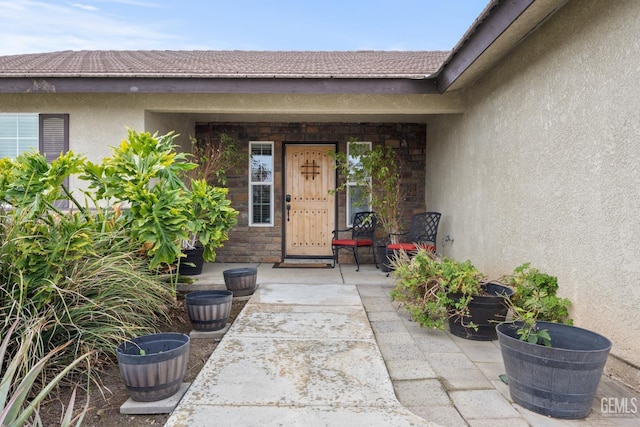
{"points": [[283, 186]]}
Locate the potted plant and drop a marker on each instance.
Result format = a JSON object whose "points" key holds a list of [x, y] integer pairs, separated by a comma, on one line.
{"points": [[211, 213], [436, 289], [209, 220], [144, 179], [377, 173], [552, 367]]}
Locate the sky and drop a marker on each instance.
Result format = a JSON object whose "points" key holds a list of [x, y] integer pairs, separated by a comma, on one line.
{"points": [[37, 26]]}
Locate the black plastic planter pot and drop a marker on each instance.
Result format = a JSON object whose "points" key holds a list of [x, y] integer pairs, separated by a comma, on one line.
{"points": [[192, 263], [240, 281], [153, 366], [485, 311], [559, 381], [209, 310], [384, 256]]}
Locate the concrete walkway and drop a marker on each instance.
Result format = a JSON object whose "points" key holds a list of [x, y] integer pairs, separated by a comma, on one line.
{"points": [[326, 347]]}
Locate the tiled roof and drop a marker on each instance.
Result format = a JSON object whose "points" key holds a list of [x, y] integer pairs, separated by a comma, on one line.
{"points": [[225, 64]]}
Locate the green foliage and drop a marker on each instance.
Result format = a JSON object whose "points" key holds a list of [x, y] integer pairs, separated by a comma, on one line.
{"points": [[85, 284], [211, 217], [16, 386], [425, 284], [144, 176], [89, 276], [535, 299], [31, 184], [77, 273], [378, 173], [215, 156]]}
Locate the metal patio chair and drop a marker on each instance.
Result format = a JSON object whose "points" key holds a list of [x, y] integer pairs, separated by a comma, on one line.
{"points": [[422, 234], [362, 235]]}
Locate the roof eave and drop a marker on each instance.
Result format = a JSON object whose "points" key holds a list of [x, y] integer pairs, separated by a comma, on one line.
{"points": [[196, 84], [491, 37]]}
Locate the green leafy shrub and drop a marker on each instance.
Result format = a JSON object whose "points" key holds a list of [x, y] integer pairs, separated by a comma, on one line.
{"points": [[78, 273], [89, 275], [535, 299], [211, 218], [143, 177], [426, 282], [86, 285]]}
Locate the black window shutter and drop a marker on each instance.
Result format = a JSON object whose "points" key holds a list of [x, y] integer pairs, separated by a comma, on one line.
{"points": [[54, 140]]}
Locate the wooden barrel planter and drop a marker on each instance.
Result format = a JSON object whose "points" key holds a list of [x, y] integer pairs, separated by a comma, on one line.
{"points": [[240, 281], [153, 366], [560, 381], [485, 311], [192, 263], [209, 310]]}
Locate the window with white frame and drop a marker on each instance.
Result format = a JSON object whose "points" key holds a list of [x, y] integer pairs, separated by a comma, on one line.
{"points": [[261, 183], [18, 134], [357, 200], [47, 133]]}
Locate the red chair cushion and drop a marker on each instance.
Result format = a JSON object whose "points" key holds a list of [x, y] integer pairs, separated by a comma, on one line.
{"points": [[351, 242], [409, 247]]}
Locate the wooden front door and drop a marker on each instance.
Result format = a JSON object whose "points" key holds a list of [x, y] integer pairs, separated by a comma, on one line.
{"points": [[309, 208]]}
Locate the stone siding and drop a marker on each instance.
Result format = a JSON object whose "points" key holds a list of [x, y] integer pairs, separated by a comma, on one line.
{"points": [[265, 244]]}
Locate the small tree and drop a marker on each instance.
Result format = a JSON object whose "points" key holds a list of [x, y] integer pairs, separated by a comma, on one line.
{"points": [[377, 173], [214, 157]]}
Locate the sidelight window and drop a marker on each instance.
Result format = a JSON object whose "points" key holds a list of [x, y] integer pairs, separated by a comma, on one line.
{"points": [[261, 183], [357, 197]]}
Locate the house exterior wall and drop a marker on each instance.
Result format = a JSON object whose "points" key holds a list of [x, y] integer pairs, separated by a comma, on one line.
{"points": [[100, 121], [543, 167], [264, 244]]}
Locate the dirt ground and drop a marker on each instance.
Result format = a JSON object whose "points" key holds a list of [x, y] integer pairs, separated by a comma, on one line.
{"points": [[105, 404]]}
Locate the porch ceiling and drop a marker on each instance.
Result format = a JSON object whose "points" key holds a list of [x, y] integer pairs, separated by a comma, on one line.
{"points": [[317, 118]]}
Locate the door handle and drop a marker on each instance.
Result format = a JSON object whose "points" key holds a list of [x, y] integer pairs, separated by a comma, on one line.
{"points": [[288, 210]]}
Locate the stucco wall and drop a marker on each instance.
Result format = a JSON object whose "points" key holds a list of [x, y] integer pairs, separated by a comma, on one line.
{"points": [[544, 166], [95, 122], [98, 121]]}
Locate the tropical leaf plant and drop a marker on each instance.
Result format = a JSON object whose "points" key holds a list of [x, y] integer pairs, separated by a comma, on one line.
{"points": [[211, 217], [143, 176], [78, 272]]}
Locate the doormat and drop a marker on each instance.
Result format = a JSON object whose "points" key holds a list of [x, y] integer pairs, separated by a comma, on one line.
{"points": [[301, 265]]}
